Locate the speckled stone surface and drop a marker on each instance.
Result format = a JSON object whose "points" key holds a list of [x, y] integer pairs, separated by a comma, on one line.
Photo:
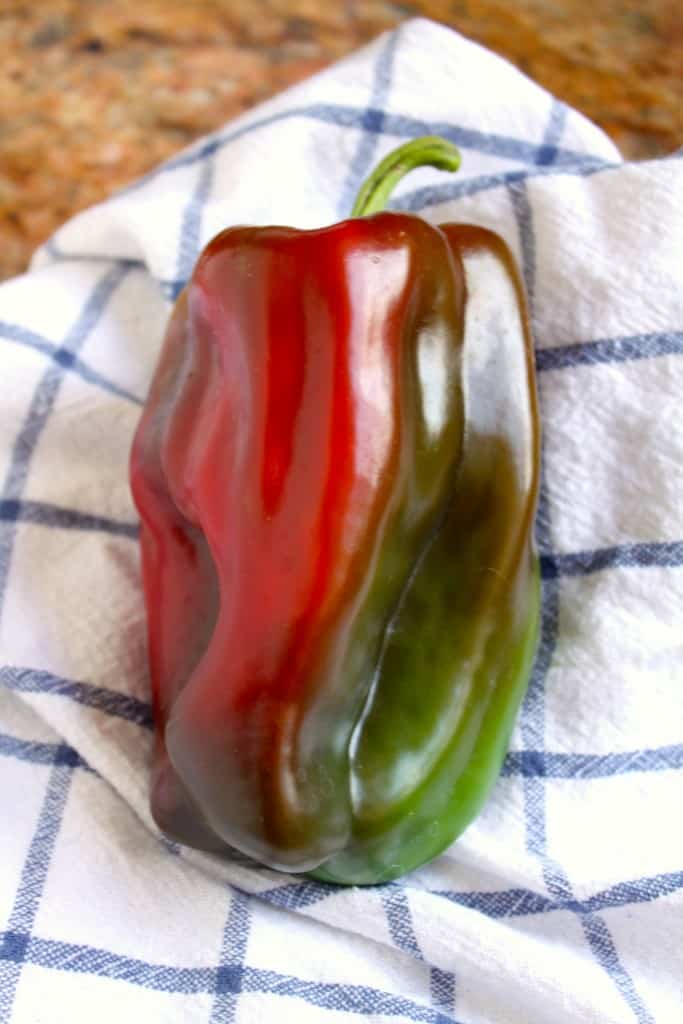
{"points": [[94, 92]]}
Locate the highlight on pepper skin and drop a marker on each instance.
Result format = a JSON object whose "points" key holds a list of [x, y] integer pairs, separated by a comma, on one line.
{"points": [[336, 472]]}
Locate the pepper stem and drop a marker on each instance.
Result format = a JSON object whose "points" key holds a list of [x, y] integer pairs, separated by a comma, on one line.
{"points": [[429, 151]]}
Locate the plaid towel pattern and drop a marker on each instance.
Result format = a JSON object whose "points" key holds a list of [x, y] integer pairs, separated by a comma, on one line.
{"points": [[564, 900]]}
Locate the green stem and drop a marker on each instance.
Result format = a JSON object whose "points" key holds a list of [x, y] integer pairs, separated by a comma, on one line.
{"points": [[429, 150]]}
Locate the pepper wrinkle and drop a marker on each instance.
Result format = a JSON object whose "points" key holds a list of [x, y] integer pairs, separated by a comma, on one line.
{"points": [[336, 472]]}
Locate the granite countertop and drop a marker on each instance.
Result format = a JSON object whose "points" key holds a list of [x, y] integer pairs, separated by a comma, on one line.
{"points": [[94, 92]]}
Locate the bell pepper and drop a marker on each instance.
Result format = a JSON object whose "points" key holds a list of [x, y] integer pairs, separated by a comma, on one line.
{"points": [[336, 472]]}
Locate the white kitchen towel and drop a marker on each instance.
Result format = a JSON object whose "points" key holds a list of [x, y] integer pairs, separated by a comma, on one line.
{"points": [[563, 902]]}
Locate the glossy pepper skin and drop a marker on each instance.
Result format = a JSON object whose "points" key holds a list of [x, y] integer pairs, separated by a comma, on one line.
{"points": [[336, 472]]}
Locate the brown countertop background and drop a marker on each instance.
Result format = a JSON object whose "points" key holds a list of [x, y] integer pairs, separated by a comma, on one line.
{"points": [[95, 92]]}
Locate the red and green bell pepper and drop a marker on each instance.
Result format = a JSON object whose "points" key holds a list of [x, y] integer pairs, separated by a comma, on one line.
{"points": [[336, 472]]}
